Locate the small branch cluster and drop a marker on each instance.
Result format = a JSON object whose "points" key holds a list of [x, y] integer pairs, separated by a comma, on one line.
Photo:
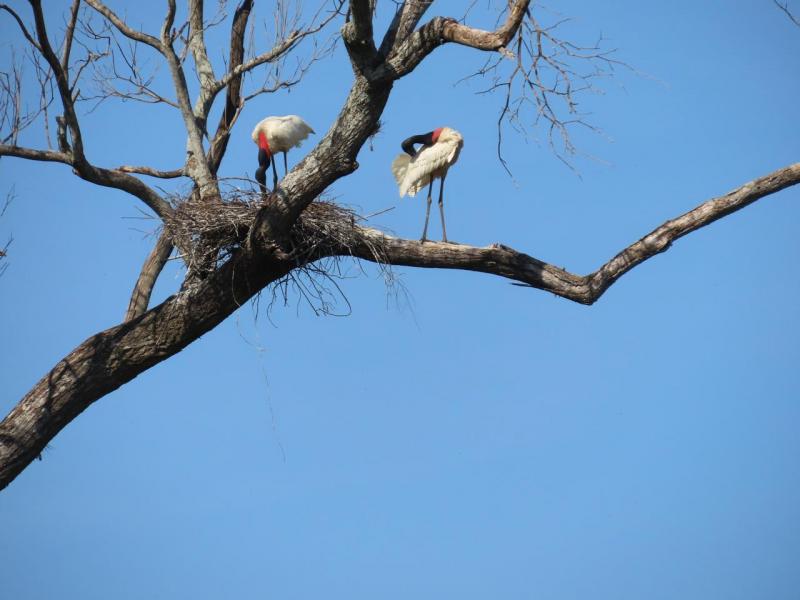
{"points": [[784, 6], [4, 250], [15, 113], [116, 65], [541, 83]]}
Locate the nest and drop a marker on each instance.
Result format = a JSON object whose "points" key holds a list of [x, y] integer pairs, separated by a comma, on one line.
{"points": [[208, 233]]}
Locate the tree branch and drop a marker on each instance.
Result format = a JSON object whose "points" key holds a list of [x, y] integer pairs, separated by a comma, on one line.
{"points": [[97, 175], [151, 172], [403, 23], [785, 8], [135, 35], [501, 260], [441, 30], [276, 52], [32, 154], [357, 35], [196, 165], [233, 98], [68, 37], [74, 155], [197, 44], [151, 269], [21, 25], [62, 82]]}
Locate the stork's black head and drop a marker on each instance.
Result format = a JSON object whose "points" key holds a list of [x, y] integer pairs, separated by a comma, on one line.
{"points": [[426, 139]]}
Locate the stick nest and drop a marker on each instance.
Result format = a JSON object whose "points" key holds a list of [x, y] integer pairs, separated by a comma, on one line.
{"points": [[208, 233]]}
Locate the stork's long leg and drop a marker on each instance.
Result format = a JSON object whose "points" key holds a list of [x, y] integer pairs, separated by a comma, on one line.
{"points": [[285, 165], [427, 212], [441, 207], [274, 174]]}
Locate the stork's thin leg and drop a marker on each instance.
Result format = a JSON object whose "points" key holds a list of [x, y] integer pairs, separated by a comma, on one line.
{"points": [[441, 207], [274, 174], [285, 165], [427, 213]]}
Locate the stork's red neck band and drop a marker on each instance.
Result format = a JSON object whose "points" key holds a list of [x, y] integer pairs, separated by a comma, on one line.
{"points": [[436, 134], [262, 142]]}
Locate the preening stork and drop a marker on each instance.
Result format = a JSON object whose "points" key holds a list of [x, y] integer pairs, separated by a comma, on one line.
{"points": [[273, 135], [416, 169]]}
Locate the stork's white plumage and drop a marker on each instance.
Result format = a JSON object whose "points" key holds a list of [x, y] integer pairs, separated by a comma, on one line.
{"points": [[277, 134], [414, 170]]}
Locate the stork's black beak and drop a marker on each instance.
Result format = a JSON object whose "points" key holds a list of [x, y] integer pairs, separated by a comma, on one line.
{"points": [[261, 171], [426, 139]]}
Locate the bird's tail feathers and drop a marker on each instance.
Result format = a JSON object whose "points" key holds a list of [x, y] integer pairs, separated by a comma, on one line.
{"points": [[399, 168]]}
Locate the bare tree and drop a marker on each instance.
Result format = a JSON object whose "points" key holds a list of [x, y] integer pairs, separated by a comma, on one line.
{"points": [[235, 243]]}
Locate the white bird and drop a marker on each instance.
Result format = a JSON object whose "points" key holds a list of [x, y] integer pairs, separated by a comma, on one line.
{"points": [[416, 169], [273, 135]]}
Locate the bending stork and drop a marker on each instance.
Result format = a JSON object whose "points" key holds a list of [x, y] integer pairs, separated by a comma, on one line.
{"points": [[273, 135], [416, 169]]}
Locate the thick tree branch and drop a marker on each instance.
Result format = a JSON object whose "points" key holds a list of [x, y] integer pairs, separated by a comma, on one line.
{"points": [[32, 154], [441, 30], [151, 269], [233, 97], [196, 164], [403, 23], [205, 71], [197, 44], [501, 260], [357, 35]]}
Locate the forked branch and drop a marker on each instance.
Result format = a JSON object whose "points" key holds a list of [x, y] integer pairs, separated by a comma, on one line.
{"points": [[441, 30]]}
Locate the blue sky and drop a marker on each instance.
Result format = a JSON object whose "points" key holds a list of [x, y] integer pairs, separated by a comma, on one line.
{"points": [[457, 436]]}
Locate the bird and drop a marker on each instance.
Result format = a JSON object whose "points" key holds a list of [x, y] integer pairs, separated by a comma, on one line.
{"points": [[414, 169], [273, 135]]}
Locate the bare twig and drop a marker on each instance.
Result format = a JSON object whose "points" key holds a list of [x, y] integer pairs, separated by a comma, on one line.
{"points": [[68, 37], [785, 8], [123, 27]]}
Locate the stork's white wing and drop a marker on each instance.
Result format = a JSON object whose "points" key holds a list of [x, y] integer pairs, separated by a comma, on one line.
{"points": [[285, 132], [430, 162]]}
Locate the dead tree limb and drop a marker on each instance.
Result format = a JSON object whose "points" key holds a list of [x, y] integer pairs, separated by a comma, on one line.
{"points": [[498, 259]]}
